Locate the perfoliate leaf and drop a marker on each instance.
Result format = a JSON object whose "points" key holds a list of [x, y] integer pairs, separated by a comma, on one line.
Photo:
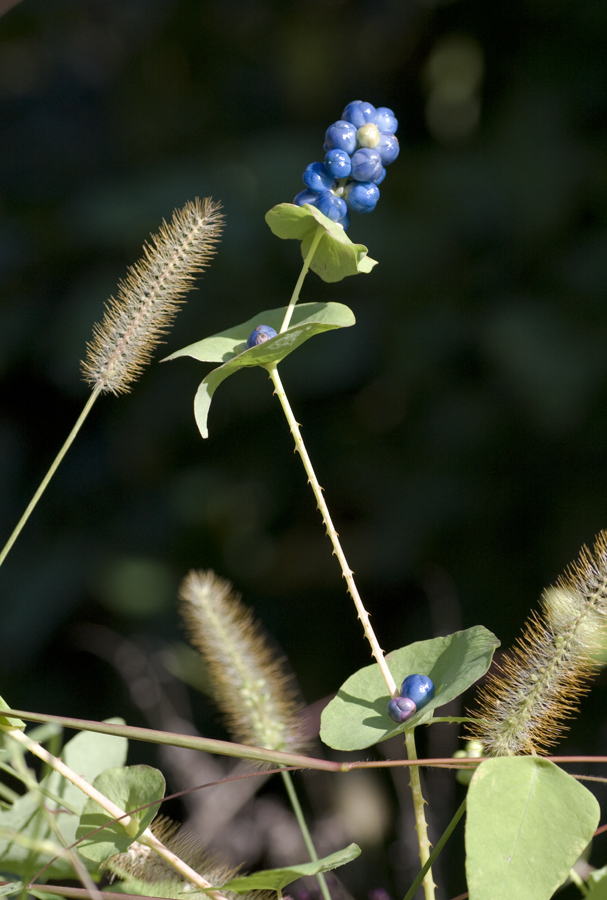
{"points": [[527, 823], [230, 346], [336, 256], [276, 879], [128, 788], [357, 717]]}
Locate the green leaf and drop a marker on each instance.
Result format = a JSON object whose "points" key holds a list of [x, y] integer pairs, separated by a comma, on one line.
{"points": [[6, 721], [225, 345], [357, 717], [527, 823], [336, 256], [14, 888], [128, 788], [230, 346], [597, 882], [277, 879]]}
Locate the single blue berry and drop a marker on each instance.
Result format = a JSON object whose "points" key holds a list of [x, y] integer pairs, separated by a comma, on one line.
{"points": [[260, 335], [359, 112], [401, 709], [316, 178], [331, 206], [386, 120], [341, 135], [388, 148], [418, 688], [366, 165], [310, 197], [362, 197], [344, 222], [381, 177], [338, 163]]}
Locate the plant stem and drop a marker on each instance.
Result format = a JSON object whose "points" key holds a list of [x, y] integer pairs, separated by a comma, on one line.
{"points": [[288, 781], [441, 843], [332, 533], [45, 481], [420, 816], [304, 271], [130, 825]]}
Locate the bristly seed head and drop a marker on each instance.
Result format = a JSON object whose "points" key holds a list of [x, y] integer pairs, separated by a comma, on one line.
{"points": [[149, 297], [250, 684], [540, 682]]}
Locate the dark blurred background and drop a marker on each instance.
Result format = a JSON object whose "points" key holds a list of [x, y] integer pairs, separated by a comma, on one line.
{"points": [[459, 429]]}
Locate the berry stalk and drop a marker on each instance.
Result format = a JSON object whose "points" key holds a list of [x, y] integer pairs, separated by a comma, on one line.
{"points": [[347, 572], [304, 271]]}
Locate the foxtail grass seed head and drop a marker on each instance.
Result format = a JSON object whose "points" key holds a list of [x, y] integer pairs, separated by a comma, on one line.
{"points": [[150, 295], [250, 684], [539, 683]]}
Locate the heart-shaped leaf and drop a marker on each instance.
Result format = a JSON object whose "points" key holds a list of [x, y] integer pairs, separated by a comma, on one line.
{"points": [[129, 788], [527, 822], [277, 879], [336, 256], [231, 347], [357, 717]]}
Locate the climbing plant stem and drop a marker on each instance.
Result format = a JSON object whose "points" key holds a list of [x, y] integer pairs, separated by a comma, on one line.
{"points": [[420, 816], [332, 533]]}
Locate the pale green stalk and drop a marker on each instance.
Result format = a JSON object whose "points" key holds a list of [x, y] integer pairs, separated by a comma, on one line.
{"points": [[304, 271], [130, 825], [420, 816], [45, 481], [332, 533], [441, 843], [303, 827]]}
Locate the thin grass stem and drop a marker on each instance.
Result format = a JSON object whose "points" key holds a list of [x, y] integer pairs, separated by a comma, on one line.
{"points": [[45, 481], [347, 572], [305, 833]]}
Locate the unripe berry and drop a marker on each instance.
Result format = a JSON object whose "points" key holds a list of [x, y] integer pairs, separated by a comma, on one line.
{"points": [[418, 688], [260, 335], [400, 709], [368, 135]]}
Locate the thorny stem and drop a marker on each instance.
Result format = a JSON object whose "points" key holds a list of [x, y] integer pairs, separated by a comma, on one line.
{"points": [[420, 816], [45, 481], [331, 532], [304, 271], [439, 846], [130, 825], [303, 827]]}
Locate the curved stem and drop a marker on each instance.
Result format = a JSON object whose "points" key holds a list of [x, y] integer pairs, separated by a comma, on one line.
{"points": [[332, 533], [303, 827], [420, 816], [45, 481], [304, 271]]}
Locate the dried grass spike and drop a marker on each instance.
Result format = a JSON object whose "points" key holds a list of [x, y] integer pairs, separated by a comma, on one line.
{"points": [[250, 685], [537, 686], [149, 297]]}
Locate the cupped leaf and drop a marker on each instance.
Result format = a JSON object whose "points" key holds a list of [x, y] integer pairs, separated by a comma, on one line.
{"points": [[308, 319], [225, 345], [129, 788], [357, 717], [336, 256], [527, 823], [277, 879]]}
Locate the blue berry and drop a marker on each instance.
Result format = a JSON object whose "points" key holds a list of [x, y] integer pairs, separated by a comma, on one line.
{"points": [[359, 112], [260, 335], [344, 222], [338, 163], [362, 197], [366, 165], [310, 197], [316, 177], [341, 135], [418, 688], [388, 148], [401, 709], [386, 120], [331, 206], [381, 177]]}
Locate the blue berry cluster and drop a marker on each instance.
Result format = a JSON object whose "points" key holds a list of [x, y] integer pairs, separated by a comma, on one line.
{"points": [[416, 691], [358, 147]]}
